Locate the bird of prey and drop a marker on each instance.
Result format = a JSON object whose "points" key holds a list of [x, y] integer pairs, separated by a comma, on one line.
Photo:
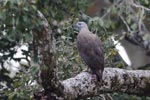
{"points": [[90, 49]]}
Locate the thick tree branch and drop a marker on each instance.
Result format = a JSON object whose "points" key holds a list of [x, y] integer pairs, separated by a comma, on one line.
{"points": [[114, 80], [43, 39]]}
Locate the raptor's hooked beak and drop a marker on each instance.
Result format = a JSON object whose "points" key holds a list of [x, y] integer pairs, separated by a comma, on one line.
{"points": [[76, 28]]}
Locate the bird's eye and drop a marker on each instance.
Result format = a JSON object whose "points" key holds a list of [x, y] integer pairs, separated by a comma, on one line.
{"points": [[79, 23]]}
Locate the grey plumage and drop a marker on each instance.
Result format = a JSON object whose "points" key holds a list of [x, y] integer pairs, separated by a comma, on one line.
{"points": [[90, 49]]}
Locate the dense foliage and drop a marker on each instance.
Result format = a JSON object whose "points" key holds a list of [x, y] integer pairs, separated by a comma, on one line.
{"points": [[18, 19]]}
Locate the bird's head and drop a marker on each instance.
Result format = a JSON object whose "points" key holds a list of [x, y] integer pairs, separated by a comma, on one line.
{"points": [[81, 25]]}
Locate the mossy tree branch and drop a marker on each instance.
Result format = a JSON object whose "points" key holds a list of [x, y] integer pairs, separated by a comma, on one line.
{"points": [[114, 80], [43, 39]]}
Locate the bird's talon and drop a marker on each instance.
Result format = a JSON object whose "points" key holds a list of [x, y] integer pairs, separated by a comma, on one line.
{"points": [[94, 78]]}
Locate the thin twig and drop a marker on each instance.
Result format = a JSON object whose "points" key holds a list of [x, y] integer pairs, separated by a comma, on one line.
{"points": [[140, 6], [140, 20], [128, 28]]}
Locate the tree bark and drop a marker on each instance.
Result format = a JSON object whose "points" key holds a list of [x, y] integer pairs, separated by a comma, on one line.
{"points": [[43, 39], [114, 80]]}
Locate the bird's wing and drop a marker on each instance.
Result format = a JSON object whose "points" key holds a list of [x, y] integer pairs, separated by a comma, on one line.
{"points": [[97, 42], [90, 49], [98, 49]]}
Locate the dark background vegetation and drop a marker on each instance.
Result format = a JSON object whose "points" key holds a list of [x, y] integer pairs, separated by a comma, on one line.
{"points": [[19, 17]]}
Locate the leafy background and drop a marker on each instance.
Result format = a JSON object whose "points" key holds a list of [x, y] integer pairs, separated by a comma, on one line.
{"points": [[19, 17]]}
